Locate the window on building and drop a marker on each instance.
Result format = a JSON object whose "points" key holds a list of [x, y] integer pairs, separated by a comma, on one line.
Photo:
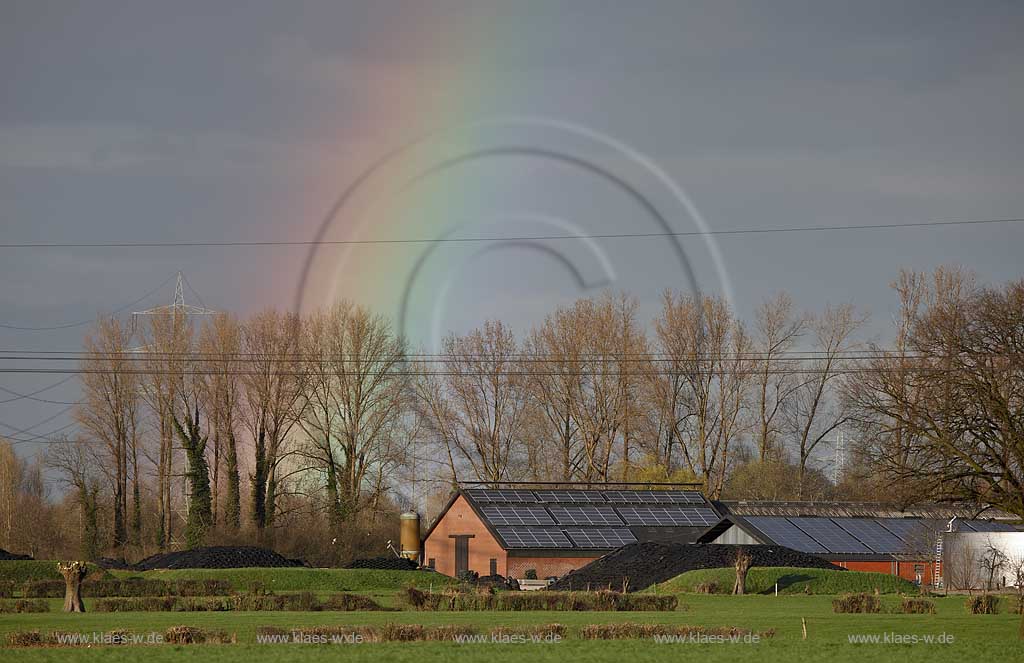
{"points": [[494, 567], [918, 569], [432, 563]]}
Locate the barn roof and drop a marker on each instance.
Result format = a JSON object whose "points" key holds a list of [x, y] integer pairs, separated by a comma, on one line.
{"points": [[587, 521], [845, 531]]}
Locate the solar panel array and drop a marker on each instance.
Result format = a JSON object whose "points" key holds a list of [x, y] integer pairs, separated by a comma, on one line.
{"points": [[516, 515], [601, 537], [570, 496], [585, 515], [520, 537], [872, 534], [843, 536], [833, 537], [785, 533], [668, 516], [593, 519], [654, 496]]}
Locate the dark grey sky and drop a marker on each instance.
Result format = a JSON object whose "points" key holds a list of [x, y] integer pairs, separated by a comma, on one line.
{"points": [[141, 121]]}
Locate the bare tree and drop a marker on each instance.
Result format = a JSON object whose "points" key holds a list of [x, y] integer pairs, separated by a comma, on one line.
{"points": [[707, 374], [75, 462], [817, 410], [220, 346], [960, 398], [274, 385], [109, 415], [777, 330], [476, 408], [167, 341], [353, 405]]}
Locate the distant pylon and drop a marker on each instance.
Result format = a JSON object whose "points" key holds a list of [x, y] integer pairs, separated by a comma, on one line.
{"points": [[839, 464], [178, 307]]}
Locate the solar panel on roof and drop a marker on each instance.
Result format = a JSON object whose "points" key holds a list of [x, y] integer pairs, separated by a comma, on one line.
{"points": [[503, 514], [585, 515], [517, 537], [571, 496], [501, 495], [603, 537], [654, 496], [667, 516], [785, 533], [827, 533], [989, 526], [872, 534], [913, 531]]}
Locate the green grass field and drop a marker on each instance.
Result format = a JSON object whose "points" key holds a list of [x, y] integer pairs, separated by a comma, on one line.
{"points": [[790, 581], [975, 637]]}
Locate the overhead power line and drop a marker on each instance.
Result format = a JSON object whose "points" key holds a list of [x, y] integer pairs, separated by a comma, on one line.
{"points": [[520, 238], [81, 323]]}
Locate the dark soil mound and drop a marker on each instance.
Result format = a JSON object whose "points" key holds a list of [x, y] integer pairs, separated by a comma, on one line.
{"points": [[217, 557], [9, 556], [640, 565], [385, 563]]}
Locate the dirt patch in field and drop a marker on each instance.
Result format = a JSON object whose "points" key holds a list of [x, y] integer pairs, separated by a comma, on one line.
{"points": [[217, 557], [640, 565]]}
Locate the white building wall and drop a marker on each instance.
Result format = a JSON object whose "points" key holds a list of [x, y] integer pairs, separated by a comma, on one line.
{"points": [[967, 555]]}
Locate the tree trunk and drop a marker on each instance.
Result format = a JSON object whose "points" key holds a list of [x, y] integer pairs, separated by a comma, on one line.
{"points": [[74, 574], [742, 566]]}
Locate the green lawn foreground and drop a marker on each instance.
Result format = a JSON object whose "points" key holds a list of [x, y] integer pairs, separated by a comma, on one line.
{"points": [[976, 637]]}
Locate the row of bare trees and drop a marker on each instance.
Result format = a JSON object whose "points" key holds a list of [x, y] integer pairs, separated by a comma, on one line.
{"points": [[253, 425], [589, 396]]}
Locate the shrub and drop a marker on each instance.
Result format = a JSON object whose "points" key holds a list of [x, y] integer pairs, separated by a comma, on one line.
{"points": [[349, 603], [706, 588], [43, 589], [857, 603], [534, 631], [25, 639], [984, 604], [633, 631], [7, 589], [188, 635], [530, 574], [917, 607], [24, 605], [415, 597], [560, 601], [135, 604]]}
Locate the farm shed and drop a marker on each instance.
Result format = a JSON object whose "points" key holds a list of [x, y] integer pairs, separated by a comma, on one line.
{"points": [[862, 537], [553, 531]]}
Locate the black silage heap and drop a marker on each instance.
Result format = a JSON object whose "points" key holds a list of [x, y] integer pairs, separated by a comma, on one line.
{"points": [[640, 565], [218, 557], [384, 564]]}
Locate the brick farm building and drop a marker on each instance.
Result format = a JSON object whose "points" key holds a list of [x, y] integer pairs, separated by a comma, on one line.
{"points": [[551, 531]]}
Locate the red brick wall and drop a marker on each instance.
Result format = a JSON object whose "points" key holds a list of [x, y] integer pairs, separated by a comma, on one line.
{"points": [[461, 519], [904, 569], [546, 566]]}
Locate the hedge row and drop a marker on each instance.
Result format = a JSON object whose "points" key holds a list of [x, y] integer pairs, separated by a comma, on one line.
{"points": [[300, 602], [24, 605], [54, 589], [518, 601], [176, 635]]}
